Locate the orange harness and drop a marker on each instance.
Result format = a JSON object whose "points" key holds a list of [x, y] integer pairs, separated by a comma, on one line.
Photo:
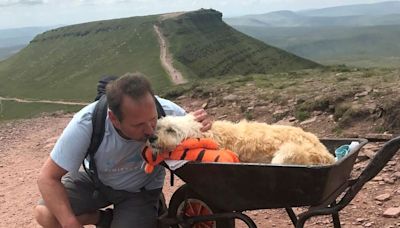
{"points": [[201, 150]]}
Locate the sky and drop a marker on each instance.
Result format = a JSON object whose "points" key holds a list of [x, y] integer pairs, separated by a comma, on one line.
{"points": [[26, 13]]}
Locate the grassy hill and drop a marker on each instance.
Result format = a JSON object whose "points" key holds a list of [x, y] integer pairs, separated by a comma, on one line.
{"points": [[362, 46], [205, 46], [65, 63]]}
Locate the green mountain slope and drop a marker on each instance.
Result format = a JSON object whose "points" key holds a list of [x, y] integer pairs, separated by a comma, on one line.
{"points": [[65, 63], [205, 46]]}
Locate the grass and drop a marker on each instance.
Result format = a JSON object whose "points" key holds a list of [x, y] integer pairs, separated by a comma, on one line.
{"points": [[207, 46], [351, 115], [301, 115], [14, 110], [66, 63], [340, 110], [308, 90]]}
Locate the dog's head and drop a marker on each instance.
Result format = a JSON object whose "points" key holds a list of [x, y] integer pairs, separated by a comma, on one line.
{"points": [[172, 130]]}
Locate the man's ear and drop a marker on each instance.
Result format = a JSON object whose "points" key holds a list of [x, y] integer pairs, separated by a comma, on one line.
{"points": [[114, 119]]}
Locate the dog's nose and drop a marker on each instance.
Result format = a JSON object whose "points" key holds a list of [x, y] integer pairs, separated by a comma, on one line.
{"points": [[153, 138]]}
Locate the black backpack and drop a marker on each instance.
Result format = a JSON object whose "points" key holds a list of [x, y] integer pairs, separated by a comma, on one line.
{"points": [[98, 122]]}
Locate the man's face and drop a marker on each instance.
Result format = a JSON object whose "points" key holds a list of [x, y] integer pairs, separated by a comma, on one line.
{"points": [[139, 118]]}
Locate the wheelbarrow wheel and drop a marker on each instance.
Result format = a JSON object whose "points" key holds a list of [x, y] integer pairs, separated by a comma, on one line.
{"points": [[186, 202]]}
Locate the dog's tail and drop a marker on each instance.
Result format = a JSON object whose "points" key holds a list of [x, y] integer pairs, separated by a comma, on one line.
{"points": [[303, 154]]}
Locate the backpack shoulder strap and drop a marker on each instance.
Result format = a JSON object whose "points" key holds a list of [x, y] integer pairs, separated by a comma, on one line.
{"points": [[160, 110], [98, 121]]}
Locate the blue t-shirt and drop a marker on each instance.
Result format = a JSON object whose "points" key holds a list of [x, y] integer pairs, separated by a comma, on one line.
{"points": [[118, 160]]}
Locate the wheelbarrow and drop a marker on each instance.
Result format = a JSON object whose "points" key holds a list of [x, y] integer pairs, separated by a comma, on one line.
{"points": [[215, 194]]}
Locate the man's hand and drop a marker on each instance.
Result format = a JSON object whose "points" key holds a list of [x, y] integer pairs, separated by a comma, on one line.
{"points": [[202, 117]]}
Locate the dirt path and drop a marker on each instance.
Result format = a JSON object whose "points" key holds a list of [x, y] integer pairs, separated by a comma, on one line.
{"points": [[166, 58], [170, 15], [24, 147], [25, 144], [41, 101]]}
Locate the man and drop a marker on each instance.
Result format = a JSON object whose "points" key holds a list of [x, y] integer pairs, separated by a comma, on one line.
{"points": [[68, 200]]}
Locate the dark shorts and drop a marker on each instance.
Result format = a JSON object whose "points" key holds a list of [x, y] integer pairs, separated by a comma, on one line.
{"points": [[138, 209]]}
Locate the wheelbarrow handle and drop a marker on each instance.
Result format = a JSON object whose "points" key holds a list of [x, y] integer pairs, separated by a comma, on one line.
{"points": [[382, 157]]}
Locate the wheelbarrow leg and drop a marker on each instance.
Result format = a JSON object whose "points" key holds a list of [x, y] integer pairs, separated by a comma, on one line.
{"points": [[335, 216], [301, 221], [292, 215], [336, 220], [332, 210]]}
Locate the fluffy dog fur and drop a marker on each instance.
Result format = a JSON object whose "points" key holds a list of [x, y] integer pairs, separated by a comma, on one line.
{"points": [[252, 141]]}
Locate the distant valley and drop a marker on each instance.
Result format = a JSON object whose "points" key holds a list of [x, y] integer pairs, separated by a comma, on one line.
{"points": [[366, 35], [13, 40]]}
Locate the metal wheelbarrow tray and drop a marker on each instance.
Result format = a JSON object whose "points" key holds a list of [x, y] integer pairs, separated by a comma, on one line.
{"points": [[231, 189]]}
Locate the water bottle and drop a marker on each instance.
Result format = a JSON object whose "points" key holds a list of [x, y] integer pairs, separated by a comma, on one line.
{"points": [[342, 151]]}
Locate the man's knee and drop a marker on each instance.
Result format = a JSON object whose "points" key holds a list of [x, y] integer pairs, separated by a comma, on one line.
{"points": [[44, 217]]}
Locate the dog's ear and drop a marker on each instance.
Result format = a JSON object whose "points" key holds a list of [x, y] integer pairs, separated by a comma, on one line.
{"points": [[171, 130]]}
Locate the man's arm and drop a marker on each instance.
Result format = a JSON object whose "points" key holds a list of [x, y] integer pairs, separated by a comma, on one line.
{"points": [[54, 194]]}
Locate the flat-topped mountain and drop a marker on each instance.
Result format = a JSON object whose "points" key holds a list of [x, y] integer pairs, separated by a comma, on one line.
{"points": [[65, 63]]}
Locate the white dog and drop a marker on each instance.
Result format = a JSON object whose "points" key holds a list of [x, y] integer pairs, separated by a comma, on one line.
{"points": [[252, 141]]}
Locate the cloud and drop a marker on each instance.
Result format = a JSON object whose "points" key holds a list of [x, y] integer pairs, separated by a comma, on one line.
{"points": [[5, 3]]}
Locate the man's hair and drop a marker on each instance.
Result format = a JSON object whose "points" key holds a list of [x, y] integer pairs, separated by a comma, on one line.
{"points": [[133, 85]]}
